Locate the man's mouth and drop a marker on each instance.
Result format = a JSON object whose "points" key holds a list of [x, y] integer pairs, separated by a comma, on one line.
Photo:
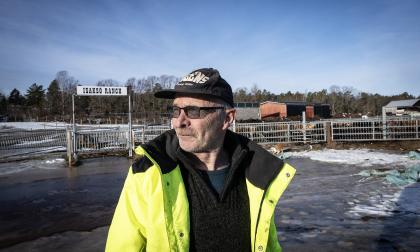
{"points": [[184, 134]]}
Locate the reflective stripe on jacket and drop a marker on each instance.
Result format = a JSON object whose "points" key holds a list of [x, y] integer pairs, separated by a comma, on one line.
{"points": [[153, 213]]}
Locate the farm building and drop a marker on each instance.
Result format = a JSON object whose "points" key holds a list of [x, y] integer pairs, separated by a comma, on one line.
{"points": [[271, 109], [247, 111], [403, 107], [322, 110]]}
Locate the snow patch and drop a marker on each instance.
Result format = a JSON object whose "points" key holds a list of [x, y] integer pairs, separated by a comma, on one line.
{"points": [[34, 125], [16, 167], [361, 157], [378, 205]]}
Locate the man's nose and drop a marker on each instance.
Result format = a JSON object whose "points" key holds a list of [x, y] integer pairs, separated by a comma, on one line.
{"points": [[182, 121]]}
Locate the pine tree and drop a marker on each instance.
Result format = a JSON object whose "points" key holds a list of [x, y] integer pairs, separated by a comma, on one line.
{"points": [[54, 98], [16, 98], [35, 96], [3, 104], [15, 108]]}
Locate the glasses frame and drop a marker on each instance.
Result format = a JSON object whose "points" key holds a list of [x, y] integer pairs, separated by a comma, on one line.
{"points": [[188, 109]]}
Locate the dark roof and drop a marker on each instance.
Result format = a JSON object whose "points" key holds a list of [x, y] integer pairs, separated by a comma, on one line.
{"points": [[404, 103], [298, 103], [246, 104]]}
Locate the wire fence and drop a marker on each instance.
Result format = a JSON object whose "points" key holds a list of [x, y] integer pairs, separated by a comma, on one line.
{"points": [[283, 132], [144, 134], [108, 139], [375, 130], [103, 140], [114, 139], [40, 138]]}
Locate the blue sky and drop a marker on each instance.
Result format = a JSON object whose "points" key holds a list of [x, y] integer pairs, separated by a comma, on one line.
{"points": [[373, 46]]}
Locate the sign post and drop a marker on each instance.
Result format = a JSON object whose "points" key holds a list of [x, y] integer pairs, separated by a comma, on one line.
{"points": [[130, 138], [74, 131], [106, 91]]}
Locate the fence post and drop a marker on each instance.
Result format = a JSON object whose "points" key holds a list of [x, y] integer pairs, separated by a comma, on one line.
{"points": [[74, 130], [288, 132], [132, 137], [130, 140], [304, 126], [142, 134], [325, 131], [75, 143], [69, 146], [383, 123], [373, 130], [417, 128], [234, 126]]}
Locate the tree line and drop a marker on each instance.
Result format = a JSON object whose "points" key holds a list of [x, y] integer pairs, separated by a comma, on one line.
{"points": [[55, 102]]}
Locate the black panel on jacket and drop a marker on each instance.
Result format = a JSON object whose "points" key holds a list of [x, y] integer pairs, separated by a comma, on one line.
{"points": [[141, 165], [264, 169], [157, 149], [262, 166]]}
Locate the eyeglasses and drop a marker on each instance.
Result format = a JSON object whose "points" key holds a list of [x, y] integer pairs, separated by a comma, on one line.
{"points": [[193, 112]]}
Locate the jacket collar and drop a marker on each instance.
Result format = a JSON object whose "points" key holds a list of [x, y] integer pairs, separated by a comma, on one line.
{"points": [[261, 167]]}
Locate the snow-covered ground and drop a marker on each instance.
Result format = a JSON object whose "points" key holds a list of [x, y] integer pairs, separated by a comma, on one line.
{"points": [[54, 125], [34, 125], [47, 164], [360, 157]]}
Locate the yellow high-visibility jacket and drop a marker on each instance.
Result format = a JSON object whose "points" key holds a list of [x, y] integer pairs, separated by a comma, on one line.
{"points": [[153, 212]]}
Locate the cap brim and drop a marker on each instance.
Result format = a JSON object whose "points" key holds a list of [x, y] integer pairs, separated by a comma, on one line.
{"points": [[166, 94], [171, 93]]}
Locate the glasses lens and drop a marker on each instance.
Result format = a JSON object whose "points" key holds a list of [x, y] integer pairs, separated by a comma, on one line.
{"points": [[192, 112], [175, 112]]}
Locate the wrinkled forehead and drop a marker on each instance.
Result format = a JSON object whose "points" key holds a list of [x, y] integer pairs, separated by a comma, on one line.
{"points": [[196, 100]]}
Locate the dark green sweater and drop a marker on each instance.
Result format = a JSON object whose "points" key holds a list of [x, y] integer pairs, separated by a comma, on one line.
{"points": [[217, 222]]}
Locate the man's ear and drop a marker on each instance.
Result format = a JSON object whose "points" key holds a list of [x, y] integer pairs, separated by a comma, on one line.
{"points": [[230, 118]]}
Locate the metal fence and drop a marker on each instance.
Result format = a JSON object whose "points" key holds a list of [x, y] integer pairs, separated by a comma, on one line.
{"points": [[375, 130], [402, 130], [144, 134], [91, 139], [19, 143], [30, 139], [357, 130], [283, 132], [102, 140], [114, 139]]}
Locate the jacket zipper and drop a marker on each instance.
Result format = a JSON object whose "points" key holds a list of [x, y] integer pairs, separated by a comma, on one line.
{"points": [[258, 220], [259, 211]]}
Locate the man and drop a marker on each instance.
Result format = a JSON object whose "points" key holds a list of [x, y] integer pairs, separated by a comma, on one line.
{"points": [[200, 187]]}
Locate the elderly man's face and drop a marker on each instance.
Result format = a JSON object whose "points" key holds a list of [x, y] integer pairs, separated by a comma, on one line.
{"points": [[201, 134]]}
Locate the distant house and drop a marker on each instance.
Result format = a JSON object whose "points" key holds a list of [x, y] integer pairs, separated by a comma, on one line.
{"points": [[403, 107], [283, 110], [247, 111]]}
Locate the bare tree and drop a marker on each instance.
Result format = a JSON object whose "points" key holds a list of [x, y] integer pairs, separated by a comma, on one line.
{"points": [[67, 85]]}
